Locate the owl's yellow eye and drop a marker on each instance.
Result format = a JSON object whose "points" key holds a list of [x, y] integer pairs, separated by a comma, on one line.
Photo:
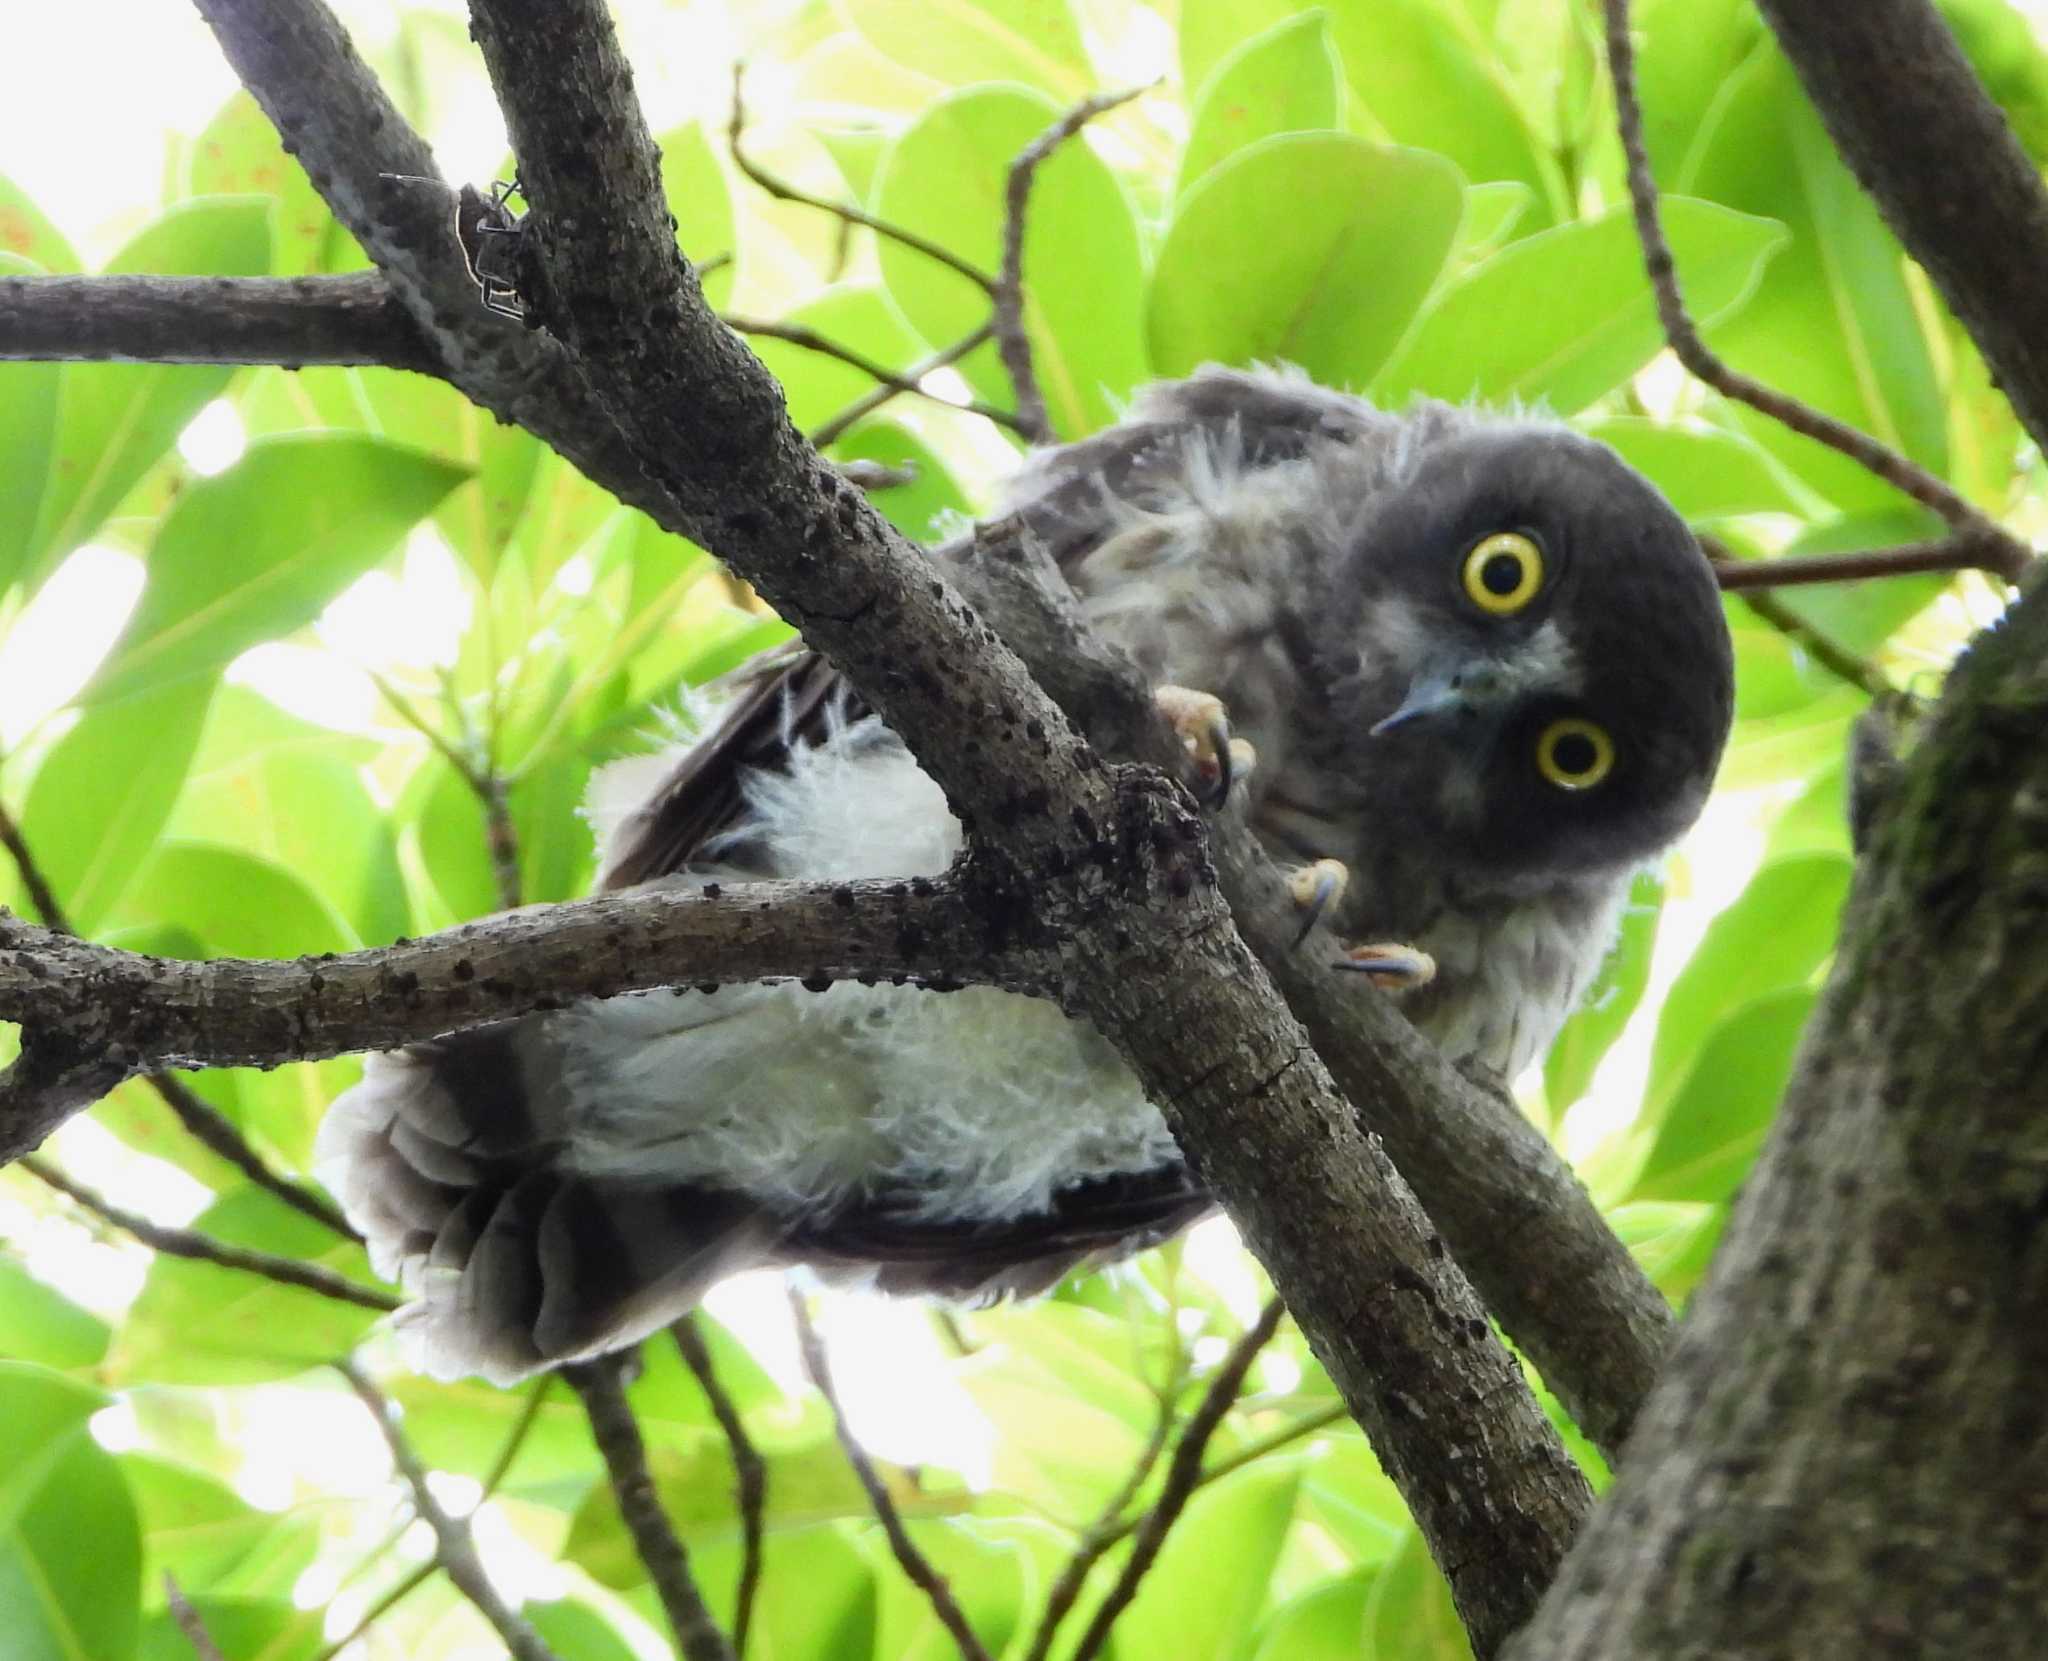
{"points": [[1503, 572], [1574, 754]]}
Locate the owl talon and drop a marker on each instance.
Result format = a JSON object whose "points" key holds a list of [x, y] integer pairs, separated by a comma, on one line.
{"points": [[1390, 967], [1316, 888], [1204, 728]]}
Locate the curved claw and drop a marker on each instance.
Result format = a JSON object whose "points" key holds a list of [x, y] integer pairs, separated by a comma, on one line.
{"points": [[1316, 888], [1226, 763], [1392, 968]]}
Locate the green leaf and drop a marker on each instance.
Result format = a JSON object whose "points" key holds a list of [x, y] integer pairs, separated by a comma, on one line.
{"points": [[239, 154], [1586, 1037], [203, 1323], [1226, 1543], [1083, 279], [693, 181], [70, 1552], [1286, 80], [1709, 1138], [576, 1632], [1833, 322], [923, 509], [203, 1534], [988, 1575], [1862, 616], [1408, 1613], [117, 419], [27, 233], [1772, 938], [119, 771], [38, 1323], [1491, 211], [244, 1629], [857, 317], [1326, 1624], [1035, 42], [29, 393], [1674, 1243], [259, 550], [1585, 319], [1315, 248], [237, 904], [1210, 30], [817, 1600], [1704, 472], [1430, 84]]}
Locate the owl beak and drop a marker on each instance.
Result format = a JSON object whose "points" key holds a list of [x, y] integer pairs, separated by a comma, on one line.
{"points": [[1465, 686]]}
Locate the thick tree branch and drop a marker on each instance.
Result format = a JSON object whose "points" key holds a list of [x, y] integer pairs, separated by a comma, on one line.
{"points": [[453, 1547], [291, 321], [618, 1439], [201, 1248]]}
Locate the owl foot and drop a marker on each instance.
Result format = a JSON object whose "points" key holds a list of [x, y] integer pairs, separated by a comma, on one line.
{"points": [[1390, 967], [1315, 889], [1204, 728]]}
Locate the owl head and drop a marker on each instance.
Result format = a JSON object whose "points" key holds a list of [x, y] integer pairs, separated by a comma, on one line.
{"points": [[1540, 663]]}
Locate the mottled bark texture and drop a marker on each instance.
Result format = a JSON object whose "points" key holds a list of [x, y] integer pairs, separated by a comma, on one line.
{"points": [[1847, 1454], [1937, 156]]}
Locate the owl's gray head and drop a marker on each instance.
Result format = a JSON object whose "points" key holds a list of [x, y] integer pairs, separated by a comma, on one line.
{"points": [[1533, 654]]}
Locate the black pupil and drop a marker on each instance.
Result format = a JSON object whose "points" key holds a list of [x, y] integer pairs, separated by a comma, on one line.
{"points": [[1574, 754], [1501, 574]]}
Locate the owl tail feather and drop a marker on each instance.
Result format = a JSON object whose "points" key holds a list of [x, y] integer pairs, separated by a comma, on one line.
{"points": [[515, 1264]]}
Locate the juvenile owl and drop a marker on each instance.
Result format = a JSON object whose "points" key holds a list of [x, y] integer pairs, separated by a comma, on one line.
{"points": [[1483, 669]]}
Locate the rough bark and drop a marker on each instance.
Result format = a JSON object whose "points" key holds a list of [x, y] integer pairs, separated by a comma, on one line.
{"points": [[1844, 1456]]}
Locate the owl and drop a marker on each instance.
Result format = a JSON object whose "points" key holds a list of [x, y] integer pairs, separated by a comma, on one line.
{"points": [[1478, 674]]}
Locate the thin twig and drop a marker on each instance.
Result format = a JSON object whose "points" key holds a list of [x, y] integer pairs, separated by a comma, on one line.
{"points": [[784, 191], [1965, 551], [415, 1578], [1012, 344], [810, 340], [625, 1457], [485, 783], [1828, 652], [917, 1568], [750, 1472], [1183, 1475], [208, 1126], [183, 1242], [454, 1548], [189, 1623], [868, 402], [515, 1439], [1692, 351]]}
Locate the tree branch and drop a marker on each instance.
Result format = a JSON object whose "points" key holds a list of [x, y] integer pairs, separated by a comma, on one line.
{"points": [[189, 1622], [201, 1248], [798, 334], [453, 1547], [750, 1473], [625, 1457], [1998, 554], [293, 321], [916, 1567]]}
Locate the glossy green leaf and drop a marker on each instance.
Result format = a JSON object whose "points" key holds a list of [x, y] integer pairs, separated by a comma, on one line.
{"points": [[1313, 248], [118, 771], [1211, 30], [1862, 616], [1286, 80], [817, 1601], [203, 1323], [1492, 211], [243, 1628], [1674, 1242], [1833, 322], [29, 393], [858, 318], [1687, 53], [238, 154], [237, 904], [117, 419], [1705, 472], [1083, 280], [1034, 42], [574, 1631], [209, 1539], [259, 550], [1592, 1029], [1429, 83], [1408, 1613], [987, 1575], [27, 233], [1583, 316], [1327, 1624], [70, 1551], [38, 1323], [693, 180], [1226, 1543], [1717, 1120]]}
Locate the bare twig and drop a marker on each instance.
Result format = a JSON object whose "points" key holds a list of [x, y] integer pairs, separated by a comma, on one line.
{"points": [[1692, 351], [1012, 344], [784, 191], [868, 402], [1183, 1475], [750, 1472], [293, 321], [917, 1568], [454, 1548], [1998, 554], [625, 1457], [797, 334], [47, 905], [189, 1622], [183, 1242], [486, 784], [1829, 653], [390, 1599]]}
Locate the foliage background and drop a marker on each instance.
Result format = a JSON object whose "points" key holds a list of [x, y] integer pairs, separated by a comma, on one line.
{"points": [[244, 598]]}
